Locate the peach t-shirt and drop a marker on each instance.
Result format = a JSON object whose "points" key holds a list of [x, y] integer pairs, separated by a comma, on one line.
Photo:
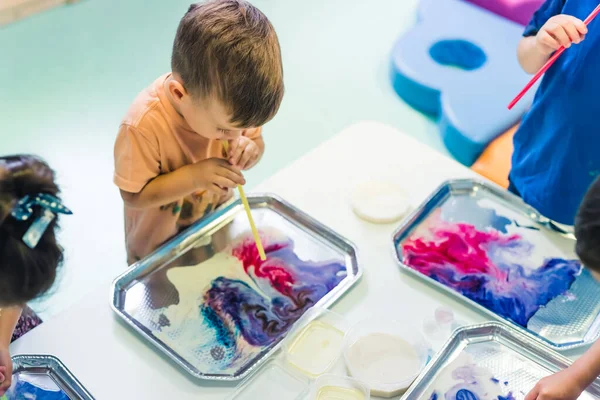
{"points": [[153, 140]]}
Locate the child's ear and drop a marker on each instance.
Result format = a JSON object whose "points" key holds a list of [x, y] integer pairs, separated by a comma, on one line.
{"points": [[176, 89], [595, 274]]}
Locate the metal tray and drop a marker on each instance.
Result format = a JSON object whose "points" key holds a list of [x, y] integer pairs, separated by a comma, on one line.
{"points": [[145, 291], [514, 359], [47, 368], [566, 321]]}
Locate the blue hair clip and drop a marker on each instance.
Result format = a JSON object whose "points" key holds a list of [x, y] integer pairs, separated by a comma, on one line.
{"points": [[24, 210]]}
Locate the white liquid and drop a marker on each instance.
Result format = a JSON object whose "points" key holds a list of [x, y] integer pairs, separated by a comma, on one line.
{"points": [[187, 331], [445, 381], [315, 348], [381, 359], [192, 282], [339, 393]]}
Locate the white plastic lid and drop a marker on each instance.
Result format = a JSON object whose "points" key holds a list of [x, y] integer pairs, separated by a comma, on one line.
{"points": [[386, 355], [380, 202]]}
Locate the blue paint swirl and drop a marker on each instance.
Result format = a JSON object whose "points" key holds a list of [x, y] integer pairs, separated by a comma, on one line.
{"points": [[233, 309], [465, 394], [23, 390], [508, 397], [485, 266]]}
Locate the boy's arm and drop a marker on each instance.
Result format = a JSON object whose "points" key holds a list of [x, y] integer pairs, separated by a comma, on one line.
{"points": [[587, 367], [213, 174], [559, 31], [138, 173], [9, 318], [8, 321], [164, 189], [530, 58], [547, 31], [571, 382]]}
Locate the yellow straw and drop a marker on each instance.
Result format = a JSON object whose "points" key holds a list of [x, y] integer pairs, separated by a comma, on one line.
{"points": [[259, 246]]}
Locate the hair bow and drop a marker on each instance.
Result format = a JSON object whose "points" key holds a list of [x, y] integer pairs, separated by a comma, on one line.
{"points": [[24, 210]]}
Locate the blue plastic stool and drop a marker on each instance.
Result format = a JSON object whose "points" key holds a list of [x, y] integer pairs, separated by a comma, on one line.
{"points": [[459, 64]]}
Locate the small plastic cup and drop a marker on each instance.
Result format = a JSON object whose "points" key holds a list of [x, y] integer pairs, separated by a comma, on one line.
{"points": [[315, 342], [272, 381], [439, 327], [386, 355], [444, 316], [328, 387]]}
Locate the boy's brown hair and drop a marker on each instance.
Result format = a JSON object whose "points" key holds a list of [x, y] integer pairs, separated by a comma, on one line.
{"points": [[229, 49]]}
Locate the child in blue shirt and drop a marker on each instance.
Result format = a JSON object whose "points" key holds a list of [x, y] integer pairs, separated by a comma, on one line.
{"points": [[557, 151], [557, 147]]}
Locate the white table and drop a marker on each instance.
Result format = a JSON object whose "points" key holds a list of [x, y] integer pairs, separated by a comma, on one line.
{"points": [[114, 363]]}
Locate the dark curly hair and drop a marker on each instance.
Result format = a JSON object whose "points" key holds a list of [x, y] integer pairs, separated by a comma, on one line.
{"points": [[25, 273], [587, 228]]}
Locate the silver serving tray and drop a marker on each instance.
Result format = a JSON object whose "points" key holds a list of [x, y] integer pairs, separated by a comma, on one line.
{"points": [[51, 367], [565, 322], [132, 291], [510, 355]]}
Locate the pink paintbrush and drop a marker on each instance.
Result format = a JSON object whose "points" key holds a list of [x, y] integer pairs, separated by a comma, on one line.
{"points": [[549, 63]]}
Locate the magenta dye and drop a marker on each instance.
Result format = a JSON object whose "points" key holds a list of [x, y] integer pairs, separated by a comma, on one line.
{"points": [[484, 267], [259, 320]]}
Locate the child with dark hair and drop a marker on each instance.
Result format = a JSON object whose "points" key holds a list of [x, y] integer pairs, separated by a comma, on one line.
{"points": [[226, 82], [570, 383], [29, 254]]}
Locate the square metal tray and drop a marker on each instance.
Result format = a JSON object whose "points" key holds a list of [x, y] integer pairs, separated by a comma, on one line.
{"points": [[516, 361], [144, 296], [565, 322], [46, 368]]}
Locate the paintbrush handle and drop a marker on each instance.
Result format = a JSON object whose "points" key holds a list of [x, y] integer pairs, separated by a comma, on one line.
{"points": [[537, 76], [259, 246], [549, 63]]}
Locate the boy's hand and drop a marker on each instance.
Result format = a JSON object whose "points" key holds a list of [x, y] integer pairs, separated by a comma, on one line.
{"points": [[217, 175], [5, 370], [560, 386], [560, 30], [243, 152]]}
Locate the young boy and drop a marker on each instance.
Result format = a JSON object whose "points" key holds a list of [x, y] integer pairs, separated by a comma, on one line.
{"points": [[570, 383], [556, 153], [226, 82]]}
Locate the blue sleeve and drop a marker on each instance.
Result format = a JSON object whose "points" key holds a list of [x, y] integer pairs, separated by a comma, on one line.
{"points": [[548, 10]]}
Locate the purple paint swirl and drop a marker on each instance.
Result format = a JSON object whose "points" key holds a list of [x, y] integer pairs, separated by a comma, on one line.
{"points": [[484, 267], [297, 284], [470, 386]]}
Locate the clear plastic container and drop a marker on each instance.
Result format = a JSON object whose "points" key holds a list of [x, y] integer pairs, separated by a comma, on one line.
{"points": [[439, 327], [334, 387], [386, 355], [315, 342], [272, 382]]}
